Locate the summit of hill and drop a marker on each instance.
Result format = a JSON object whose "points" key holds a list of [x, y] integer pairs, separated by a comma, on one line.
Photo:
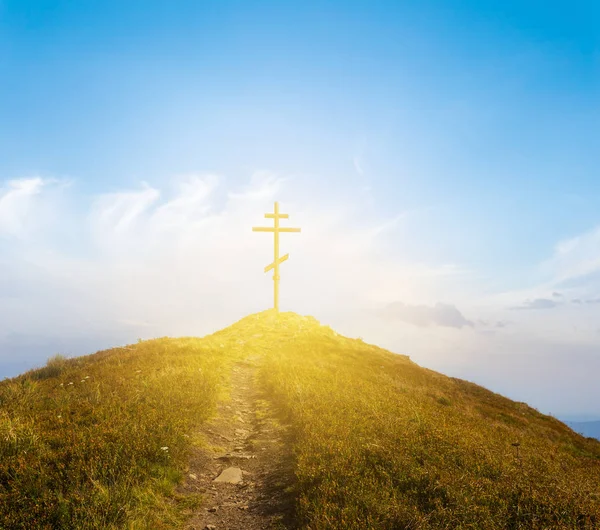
{"points": [[375, 441]]}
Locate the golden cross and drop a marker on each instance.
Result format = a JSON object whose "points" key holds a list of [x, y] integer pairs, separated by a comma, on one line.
{"points": [[277, 260]]}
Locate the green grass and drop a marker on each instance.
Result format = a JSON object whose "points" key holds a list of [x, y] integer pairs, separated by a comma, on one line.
{"points": [[82, 441], [378, 442], [383, 443]]}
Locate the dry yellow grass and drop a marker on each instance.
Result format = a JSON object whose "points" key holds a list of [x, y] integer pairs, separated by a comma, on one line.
{"points": [[383, 443], [379, 442], [100, 441]]}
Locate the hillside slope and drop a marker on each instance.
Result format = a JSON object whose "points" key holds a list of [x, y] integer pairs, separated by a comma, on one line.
{"points": [[378, 441], [100, 441], [384, 443]]}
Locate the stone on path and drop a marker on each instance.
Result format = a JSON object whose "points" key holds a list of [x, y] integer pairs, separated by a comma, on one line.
{"points": [[231, 475]]}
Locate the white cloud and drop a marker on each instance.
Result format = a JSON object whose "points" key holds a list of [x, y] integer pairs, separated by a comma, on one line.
{"points": [[191, 202], [181, 259], [16, 204], [357, 161], [185, 259], [561, 305], [575, 258], [572, 272], [538, 303], [117, 212]]}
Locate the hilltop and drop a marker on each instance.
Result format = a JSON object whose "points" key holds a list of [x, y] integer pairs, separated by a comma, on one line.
{"points": [[355, 437]]}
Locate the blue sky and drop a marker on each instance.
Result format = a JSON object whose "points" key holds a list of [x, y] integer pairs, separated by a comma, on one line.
{"points": [[464, 135]]}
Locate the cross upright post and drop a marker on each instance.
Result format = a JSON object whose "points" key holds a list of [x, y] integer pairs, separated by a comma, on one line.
{"points": [[276, 229]]}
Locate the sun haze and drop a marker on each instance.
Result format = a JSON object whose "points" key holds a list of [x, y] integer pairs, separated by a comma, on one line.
{"points": [[440, 159]]}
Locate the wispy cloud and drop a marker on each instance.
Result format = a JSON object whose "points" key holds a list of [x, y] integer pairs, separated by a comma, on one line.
{"points": [[117, 212], [17, 203], [182, 258], [357, 161], [577, 258], [593, 301], [538, 303], [569, 277]]}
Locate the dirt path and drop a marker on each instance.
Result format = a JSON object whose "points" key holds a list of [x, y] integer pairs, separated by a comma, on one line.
{"points": [[244, 437]]}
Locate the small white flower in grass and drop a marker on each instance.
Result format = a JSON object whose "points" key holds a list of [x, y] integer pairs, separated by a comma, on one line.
{"points": [[59, 416], [83, 380], [71, 382], [164, 448], [87, 377], [62, 384]]}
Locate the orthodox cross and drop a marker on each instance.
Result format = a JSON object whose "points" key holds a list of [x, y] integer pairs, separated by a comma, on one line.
{"points": [[277, 260]]}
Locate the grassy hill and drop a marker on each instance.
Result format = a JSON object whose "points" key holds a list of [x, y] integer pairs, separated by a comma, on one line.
{"points": [[379, 442]]}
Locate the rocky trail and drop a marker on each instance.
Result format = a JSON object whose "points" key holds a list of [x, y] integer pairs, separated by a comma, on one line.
{"points": [[244, 472]]}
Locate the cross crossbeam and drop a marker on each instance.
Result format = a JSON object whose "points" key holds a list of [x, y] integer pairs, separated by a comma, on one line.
{"points": [[279, 262], [271, 229], [276, 229]]}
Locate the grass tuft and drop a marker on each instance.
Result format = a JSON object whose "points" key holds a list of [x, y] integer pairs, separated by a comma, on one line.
{"points": [[55, 365]]}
